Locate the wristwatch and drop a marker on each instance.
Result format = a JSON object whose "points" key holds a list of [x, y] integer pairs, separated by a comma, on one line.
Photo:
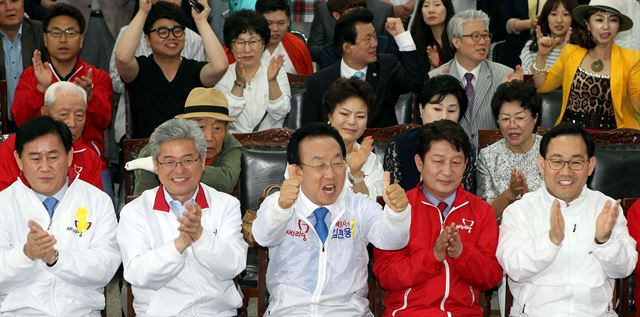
{"points": [[237, 84], [354, 180], [55, 254]]}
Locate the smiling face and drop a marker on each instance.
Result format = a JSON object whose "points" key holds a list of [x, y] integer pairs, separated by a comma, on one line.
{"points": [[442, 169], [516, 126], [364, 51], [566, 184], [180, 181], [448, 108], [170, 46], [11, 14], [247, 49], [278, 24], [468, 50], [604, 27], [433, 12], [64, 48], [350, 119], [559, 21], [322, 181], [44, 163]]}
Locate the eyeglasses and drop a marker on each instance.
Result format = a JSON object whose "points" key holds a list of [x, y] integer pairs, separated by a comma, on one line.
{"points": [[475, 37], [57, 33], [321, 168], [557, 164], [163, 31], [517, 120], [171, 164], [242, 44], [367, 39]]}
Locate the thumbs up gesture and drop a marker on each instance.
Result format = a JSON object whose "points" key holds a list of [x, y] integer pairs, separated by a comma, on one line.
{"points": [[290, 188], [393, 195]]}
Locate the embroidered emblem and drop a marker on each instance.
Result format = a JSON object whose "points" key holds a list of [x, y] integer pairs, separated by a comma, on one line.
{"points": [[80, 224], [466, 225]]}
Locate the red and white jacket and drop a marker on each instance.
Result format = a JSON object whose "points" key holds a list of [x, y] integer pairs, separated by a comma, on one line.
{"points": [[28, 101], [419, 285]]}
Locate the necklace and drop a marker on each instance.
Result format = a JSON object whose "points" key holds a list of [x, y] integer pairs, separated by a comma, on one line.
{"points": [[597, 65]]}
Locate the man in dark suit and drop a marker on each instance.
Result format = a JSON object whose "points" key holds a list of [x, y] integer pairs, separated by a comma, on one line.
{"points": [[12, 19], [328, 13], [355, 39]]}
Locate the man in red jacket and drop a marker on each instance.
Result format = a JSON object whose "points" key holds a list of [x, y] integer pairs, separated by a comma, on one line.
{"points": [[65, 102], [63, 26], [450, 257]]}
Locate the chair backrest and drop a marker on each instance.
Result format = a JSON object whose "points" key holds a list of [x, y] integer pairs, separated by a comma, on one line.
{"points": [[618, 156], [383, 136], [404, 108], [264, 160], [298, 84], [4, 107], [132, 148], [551, 106]]}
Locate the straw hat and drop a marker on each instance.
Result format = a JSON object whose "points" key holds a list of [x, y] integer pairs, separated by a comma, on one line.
{"points": [[612, 6], [206, 102]]}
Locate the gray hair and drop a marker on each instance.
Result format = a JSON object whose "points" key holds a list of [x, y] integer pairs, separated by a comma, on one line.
{"points": [[457, 22], [176, 129], [51, 93]]}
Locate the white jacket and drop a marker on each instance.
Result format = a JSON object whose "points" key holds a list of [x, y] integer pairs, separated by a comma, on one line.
{"points": [[87, 260], [196, 282], [307, 278], [573, 279]]}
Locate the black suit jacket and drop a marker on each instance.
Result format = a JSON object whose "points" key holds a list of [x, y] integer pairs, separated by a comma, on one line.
{"points": [[389, 78], [31, 40]]}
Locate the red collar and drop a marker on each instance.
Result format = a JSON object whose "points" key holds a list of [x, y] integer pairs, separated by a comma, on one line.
{"points": [[160, 204]]}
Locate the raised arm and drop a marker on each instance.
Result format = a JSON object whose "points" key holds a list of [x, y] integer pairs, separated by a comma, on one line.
{"points": [[218, 64], [126, 63]]}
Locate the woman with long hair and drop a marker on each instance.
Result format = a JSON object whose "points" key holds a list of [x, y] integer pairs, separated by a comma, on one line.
{"points": [[429, 31]]}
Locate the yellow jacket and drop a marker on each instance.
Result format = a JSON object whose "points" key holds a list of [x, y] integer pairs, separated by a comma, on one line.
{"points": [[624, 79]]}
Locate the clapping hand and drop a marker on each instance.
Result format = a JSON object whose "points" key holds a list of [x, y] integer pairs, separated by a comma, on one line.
{"points": [[41, 71], [556, 233], [606, 221], [274, 67], [359, 156], [39, 243]]}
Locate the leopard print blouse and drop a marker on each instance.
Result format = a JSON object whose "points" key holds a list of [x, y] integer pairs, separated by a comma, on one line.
{"points": [[590, 104]]}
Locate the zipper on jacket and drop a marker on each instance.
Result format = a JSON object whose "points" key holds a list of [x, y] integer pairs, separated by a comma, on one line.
{"points": [[523, 306]]}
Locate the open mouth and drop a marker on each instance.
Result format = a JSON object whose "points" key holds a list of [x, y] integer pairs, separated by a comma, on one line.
{"points": [[329, 188], [179, 179], [565, 182]]}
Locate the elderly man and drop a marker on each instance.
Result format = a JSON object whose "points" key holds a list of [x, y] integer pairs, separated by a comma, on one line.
{"points": [[58, 238], [450, 258], [468, 32], [63, 37], [66, 102], [158, 84], [181, 242], [563, 245], [356, 41], [297, 59], [208, 107], [317, 230], [20, 36]]}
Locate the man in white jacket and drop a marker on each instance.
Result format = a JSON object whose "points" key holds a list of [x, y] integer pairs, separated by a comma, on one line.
{"points": [[57, 233], [563, 245], [181, 242], [317, 231]]}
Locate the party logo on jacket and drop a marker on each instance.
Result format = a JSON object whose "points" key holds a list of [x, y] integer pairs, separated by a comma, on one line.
{"points": [[344, 229], [80, 223], [302, 231], [466, 225]]}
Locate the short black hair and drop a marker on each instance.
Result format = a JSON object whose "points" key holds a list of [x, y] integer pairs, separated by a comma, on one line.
{"points": [[345, 88], [245, 21], [312, 130], [345, 29], [440, 87], [340, 6], [518, 90], [567, 128], [41, 126], [164, 10], [266, 6], [443, 130], [63, 9]]}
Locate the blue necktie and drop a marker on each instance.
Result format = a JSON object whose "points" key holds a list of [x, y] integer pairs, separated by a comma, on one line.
{"points": [[359, 75], [50, 203], [320, 226]]}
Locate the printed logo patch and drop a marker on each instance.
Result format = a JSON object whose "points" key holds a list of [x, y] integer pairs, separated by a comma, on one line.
{"points": [[302, 231], [345, 229], [466, 225], [80, 224]]}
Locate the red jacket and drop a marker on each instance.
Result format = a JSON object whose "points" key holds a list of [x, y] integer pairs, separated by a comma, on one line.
{"points": [[297, 51], [633, 223], [28, 101], [417, 284], [85, 162]]}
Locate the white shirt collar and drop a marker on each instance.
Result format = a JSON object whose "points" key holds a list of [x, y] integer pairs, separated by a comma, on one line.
{"points": [[58, 195], [348, 72], [175, 205], [462, 71]]}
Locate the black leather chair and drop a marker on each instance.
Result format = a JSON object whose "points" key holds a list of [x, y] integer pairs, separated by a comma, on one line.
{"points": [[551, 106], [404, 108], [298, 84], [383, 136], [618, 156]]}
